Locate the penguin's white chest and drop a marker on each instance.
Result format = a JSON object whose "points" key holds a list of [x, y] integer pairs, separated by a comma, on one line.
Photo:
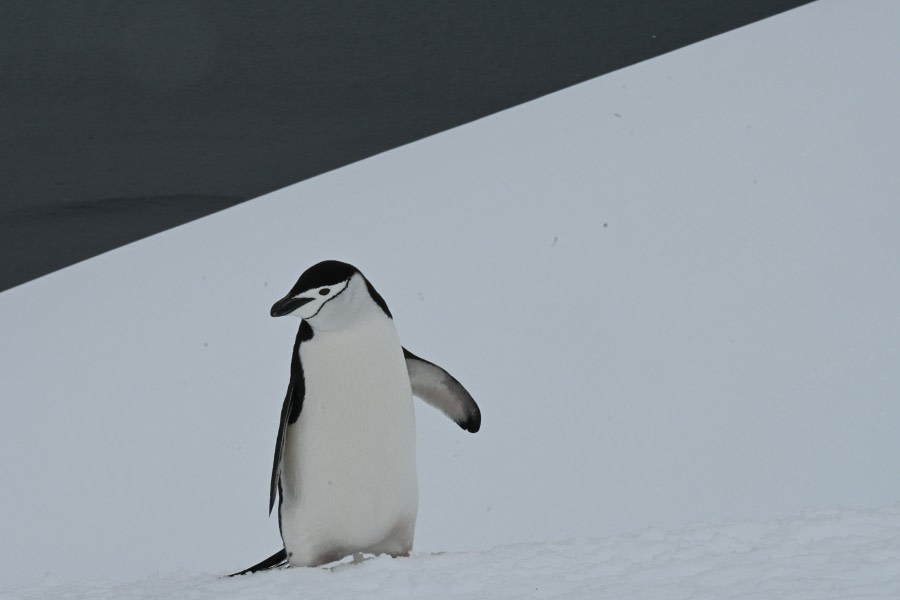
{"points": [[349, 465]]}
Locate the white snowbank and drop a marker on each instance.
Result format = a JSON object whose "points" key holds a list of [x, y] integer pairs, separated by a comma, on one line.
{"points": [[818, 555]]}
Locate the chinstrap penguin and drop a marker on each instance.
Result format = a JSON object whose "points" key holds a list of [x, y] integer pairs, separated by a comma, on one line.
{"points": [[344, 470]]}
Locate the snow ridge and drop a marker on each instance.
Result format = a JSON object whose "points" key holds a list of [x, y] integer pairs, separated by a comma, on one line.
{"points": [[820, 554]]}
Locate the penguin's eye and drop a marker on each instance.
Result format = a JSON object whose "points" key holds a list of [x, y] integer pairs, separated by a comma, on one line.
{"points": [[324, 292]]}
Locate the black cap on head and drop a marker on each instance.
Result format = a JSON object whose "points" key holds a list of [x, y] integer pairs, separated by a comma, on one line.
{"points": [[327, 272]]}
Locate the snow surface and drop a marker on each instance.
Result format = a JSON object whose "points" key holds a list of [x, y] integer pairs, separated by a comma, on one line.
{"points": [[818, 555], [673, 291]]}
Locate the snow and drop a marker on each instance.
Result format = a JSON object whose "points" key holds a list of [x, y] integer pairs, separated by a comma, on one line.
{"points": [[672, 290], [839, 553]]}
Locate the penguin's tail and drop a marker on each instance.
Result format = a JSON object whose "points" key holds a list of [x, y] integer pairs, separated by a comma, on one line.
{"points": [[276, 560]]}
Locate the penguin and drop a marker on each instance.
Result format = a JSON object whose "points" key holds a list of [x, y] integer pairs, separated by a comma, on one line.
{"points": [[344, 470]]}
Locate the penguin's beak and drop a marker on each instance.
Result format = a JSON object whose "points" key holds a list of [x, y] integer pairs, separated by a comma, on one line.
{"points": [[287, 305]]}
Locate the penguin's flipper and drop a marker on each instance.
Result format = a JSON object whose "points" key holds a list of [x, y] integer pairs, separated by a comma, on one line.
{"points": [[290, 410], [441, 390], [279, 446], [276, 560]]}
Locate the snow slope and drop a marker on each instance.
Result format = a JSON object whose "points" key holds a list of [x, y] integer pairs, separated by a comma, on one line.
{"points": [[818, 555], [673, 291]]}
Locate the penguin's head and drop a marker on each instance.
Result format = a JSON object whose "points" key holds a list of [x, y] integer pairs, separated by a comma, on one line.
{"points": [[329, 294]]}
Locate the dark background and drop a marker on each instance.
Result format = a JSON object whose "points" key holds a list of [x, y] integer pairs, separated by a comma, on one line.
{"points": [[121, 118]]}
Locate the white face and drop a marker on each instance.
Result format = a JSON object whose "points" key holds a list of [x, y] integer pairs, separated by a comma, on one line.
{"points": [[308, 303]]}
